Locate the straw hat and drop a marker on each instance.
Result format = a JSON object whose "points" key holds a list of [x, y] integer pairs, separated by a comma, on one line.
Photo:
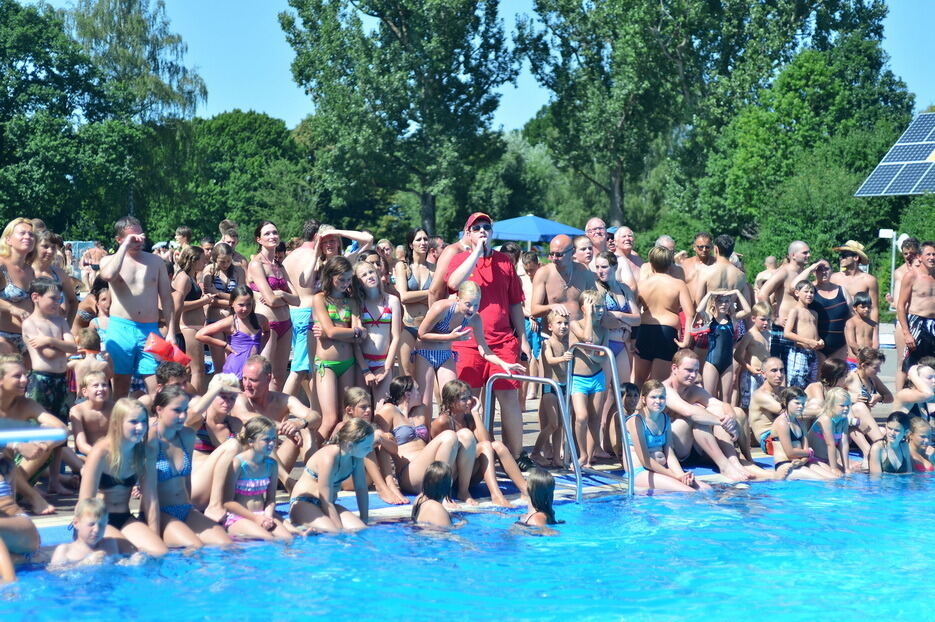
{"points": [[853, 247]]}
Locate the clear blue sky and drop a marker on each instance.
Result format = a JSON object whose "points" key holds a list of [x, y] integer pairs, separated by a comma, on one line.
{"points": [[239, 49]]}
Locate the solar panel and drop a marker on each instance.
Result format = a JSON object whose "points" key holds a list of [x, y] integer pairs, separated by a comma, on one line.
{"points": [[909, 166]]}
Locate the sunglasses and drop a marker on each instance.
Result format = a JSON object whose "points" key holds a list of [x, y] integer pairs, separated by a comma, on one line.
{"points": [[559, 253], [847, 255], [703, 247], [484, 227]]}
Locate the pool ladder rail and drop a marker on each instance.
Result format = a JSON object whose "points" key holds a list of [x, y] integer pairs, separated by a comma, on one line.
{"points": [[564, 405]]}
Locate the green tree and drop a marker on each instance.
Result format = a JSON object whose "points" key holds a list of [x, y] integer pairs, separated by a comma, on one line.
{"points": [[131, 43], [404, 92]]}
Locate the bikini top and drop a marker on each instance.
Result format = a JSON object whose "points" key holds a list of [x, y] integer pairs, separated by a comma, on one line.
{"points": [[887, 466], [385, 317], [655, 439], [275, 283], [407, 433], [610, 301], [108, 481], [12, 292], [344, 315], [444, 325], [414, 285], [221, 286], [795, 430], [165, 470], [5, 489], [252, 486], [194, 292]]}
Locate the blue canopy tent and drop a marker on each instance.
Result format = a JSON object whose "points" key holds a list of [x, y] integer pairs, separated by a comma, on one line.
{"points": [[531, 228]]}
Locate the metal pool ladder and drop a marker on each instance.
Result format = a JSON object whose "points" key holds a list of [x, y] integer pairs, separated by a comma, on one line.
{"points": [[570, 449], [621, 416]]}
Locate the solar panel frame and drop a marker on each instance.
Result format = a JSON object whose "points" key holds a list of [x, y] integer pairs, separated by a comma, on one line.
{"points": [[909, 165]]}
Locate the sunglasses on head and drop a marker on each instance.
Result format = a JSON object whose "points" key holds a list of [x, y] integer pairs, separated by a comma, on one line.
{"points": [[484, 227]]}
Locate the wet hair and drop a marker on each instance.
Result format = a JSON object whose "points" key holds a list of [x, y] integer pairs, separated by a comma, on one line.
{"points": [[651, 385], [452, 391], [802, 285], [354, 396], [167, 370], [862, 299], [352, 432], [310, 229], [42, 285], [436, 482], [125, 407], [469, 290], [762, 309], [901, 417], [540, 486], [789, 394], [244, 290], [869, 356], [254, 428], [89, 339], [123, 224], [93, 507], [724, 245], [5, 249], [513, 250], [258, 359], [333, 268], [681, 355], [89, 377], [834, 397], [189, 257], [832, 371], [660, 258], [9, 359], [185, 231], [398, 388], [910, 244], [166, 395]]}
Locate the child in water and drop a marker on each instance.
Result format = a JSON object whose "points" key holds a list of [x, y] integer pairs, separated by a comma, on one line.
{"points": [[90, 546], [540, 486], [919, 433], [828, 435], [891, 453], [429, 508]]}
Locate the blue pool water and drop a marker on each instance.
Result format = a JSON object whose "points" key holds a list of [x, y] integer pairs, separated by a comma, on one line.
{"points": [[786, 551]]}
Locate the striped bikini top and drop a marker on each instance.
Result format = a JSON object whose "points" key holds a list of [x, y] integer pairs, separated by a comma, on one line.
{"points": [[252, 486], [344, 315], [385, 317]]}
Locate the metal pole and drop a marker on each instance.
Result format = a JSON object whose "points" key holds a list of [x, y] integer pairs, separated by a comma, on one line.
{"points": [[892, 263], [566, 420]]}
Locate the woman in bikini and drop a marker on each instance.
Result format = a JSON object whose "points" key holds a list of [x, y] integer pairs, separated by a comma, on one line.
{"points": [[115, 465], [792, 457], [313, 498], [381, 316], [17, 250], [220, 278], [48, 245], [867, 390], [415, 452], [413, 278], [338, 335], [190, 302], [891, 454], [209, 416], [268, 279], [182, 524]]}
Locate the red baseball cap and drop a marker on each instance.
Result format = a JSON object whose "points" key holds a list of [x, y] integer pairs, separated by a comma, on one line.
{"points": [[475, 217]]}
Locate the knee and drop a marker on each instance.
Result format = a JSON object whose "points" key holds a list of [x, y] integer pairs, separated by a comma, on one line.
{"points": [[498, 446], [466, 437]]}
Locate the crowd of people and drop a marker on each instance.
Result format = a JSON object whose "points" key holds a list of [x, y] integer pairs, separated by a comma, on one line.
{"points": [[200, 381]]}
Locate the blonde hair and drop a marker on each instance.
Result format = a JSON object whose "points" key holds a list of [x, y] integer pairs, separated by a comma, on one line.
{"points": [[762, 309], [590, 296], [9, 359], [125, 407], [352, 432], [86, 379], [93, 506], [354, 396], [468, 290], [834, 397], [919, 426], [224, 380], [5, 250]]}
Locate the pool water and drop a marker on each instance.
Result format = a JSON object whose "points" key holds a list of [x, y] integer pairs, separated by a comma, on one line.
{"points": [[784, 551]]}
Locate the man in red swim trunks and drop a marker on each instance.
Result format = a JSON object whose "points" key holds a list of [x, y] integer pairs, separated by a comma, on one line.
{"points": [[501, 309]]}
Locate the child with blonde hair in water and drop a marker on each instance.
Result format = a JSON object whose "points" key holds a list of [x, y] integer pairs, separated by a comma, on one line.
{"points": [[828, 434], [90, 546]]}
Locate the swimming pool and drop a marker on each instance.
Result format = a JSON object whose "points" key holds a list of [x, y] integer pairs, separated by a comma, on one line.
{"points": [[784, 551]]}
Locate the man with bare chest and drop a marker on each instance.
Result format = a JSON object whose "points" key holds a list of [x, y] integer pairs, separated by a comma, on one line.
{"points": [[721, 274], [702, 246], [140, 291], [853, 279], [764, 401], [556, 286], [915, 307], [779, 286], [628, 262], [300, 266]]}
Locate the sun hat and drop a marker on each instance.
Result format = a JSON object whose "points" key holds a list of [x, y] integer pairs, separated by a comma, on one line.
{"points": [[853, 247]]}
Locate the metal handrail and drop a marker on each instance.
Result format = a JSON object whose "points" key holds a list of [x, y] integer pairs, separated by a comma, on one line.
{"points": [[570, 448], [621, 415]]}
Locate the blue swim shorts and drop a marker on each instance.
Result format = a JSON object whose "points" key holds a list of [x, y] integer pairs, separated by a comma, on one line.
{"points": [[125, 342], [589, 385], [301, 320]]}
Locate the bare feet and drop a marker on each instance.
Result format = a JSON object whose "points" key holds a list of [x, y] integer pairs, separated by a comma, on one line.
{"points": [[735, 473], [500, 500], [393, 498], [41, 507], [215, 512]]}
